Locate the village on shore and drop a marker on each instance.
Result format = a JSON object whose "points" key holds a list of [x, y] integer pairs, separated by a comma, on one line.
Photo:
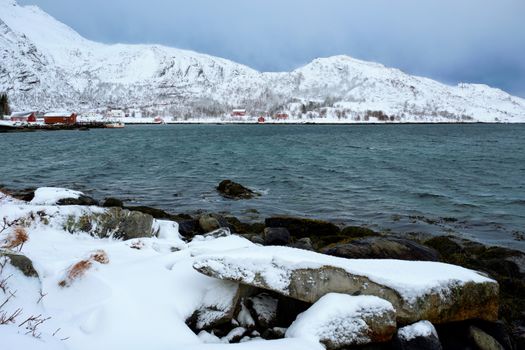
{"points": [[118, 118]]}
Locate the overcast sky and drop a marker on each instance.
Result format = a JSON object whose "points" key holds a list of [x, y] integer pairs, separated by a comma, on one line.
{"points": [[448, 40]]}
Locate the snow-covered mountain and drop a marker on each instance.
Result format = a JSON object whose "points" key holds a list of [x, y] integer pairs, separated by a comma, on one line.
{"points": [[45, 64]]}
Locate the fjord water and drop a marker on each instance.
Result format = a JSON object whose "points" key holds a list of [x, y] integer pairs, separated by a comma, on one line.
{"points": [[467, 180]]}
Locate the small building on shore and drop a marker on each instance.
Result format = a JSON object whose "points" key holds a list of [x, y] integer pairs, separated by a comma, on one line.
{"points": [[26, 117], [281, 116], [238, 113], [60, 118]]}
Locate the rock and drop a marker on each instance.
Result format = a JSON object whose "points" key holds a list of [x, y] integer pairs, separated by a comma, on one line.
{"points": [[339, 321], [208, 223], [218, 306], [189, 228], [21, 262], [263, 307], [357, 232], [276, 236], [243, 228], [418, 336], [81, 200], [303, 243], [233, 190], [235, 335], [505, 265], [483, 341], [113, 222], [156, 213], [418, 289], [221, 232], [112, 202], [300, 228], [26, 194], [383, 248]]}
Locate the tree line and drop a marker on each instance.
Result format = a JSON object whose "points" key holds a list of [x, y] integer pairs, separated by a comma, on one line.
{"points": [[4, 105]]}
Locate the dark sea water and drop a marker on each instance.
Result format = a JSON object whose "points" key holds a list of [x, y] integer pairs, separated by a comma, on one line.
{"points": [[467, 180]]}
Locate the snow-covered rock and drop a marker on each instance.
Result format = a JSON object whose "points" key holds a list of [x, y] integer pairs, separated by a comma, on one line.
{"points": [[51, 195], [418, 290], [340, 320], [47, 65], [421, 335]]}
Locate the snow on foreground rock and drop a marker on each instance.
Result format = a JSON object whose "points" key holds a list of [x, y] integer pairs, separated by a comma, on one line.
{"points": [[418, 290], [51, 195], [137, 296], [339, 320]]}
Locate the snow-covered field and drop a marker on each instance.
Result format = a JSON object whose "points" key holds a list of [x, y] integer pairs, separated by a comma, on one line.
{"points": [[139, 299], [46, 65]]}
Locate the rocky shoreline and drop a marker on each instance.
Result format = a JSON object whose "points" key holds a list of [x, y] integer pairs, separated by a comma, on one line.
{"points": [[486, 313]]}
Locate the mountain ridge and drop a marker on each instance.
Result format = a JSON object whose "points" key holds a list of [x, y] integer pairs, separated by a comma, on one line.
{"points": [[48, 65]]}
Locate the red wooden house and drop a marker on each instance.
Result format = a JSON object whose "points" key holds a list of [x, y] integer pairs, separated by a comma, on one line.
{"points": [[281, 116], [26, 117], [60, 118], [238, 113]]}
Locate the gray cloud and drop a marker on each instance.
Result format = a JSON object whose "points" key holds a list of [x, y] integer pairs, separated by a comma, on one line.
{"points": [[449, 40]]}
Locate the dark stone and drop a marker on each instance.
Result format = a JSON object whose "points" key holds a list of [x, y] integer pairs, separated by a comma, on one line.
{"points": [[482, 340], [156, 213], [243, 228], [300, 227], [113, 202], [303, 243], [81, 200], [288, 309], [505, 265], [21, 262], [430, 342], [357, 232], [383, 248], [26, 194], [189, 228], [276, 236], [233, 190]]}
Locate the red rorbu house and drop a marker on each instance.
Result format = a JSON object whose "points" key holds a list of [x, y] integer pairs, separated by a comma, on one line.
{"points": [[60, 118], [261, 120], [238, 113], [26, 117], [281, 116]]}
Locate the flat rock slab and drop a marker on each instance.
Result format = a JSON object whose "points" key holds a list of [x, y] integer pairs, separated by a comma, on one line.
{"points": [[418, 290], [341, 320]]}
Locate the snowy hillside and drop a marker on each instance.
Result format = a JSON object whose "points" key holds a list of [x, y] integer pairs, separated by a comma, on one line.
{"points": [[44, 64]]}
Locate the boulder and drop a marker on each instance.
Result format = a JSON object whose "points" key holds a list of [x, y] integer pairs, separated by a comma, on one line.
{"points": [[189, 228], [218, 306], [357, 232], [112, 202], [208, 223], [276, 236], [483, 341], [418, 336], [26, 194], [303, 243], [21, 262], [233, 190], [505, 265], [113, 222], [81, 200], [339, 321], [263, 308], [383, 248], [243, 228], [300, 227], [418, 290]]}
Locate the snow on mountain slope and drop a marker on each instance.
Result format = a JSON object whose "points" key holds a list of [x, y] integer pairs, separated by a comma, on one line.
{"points": [[45, 64]]}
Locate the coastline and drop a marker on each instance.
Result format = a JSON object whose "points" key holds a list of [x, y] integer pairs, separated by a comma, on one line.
{"points": [[317, 237]]}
